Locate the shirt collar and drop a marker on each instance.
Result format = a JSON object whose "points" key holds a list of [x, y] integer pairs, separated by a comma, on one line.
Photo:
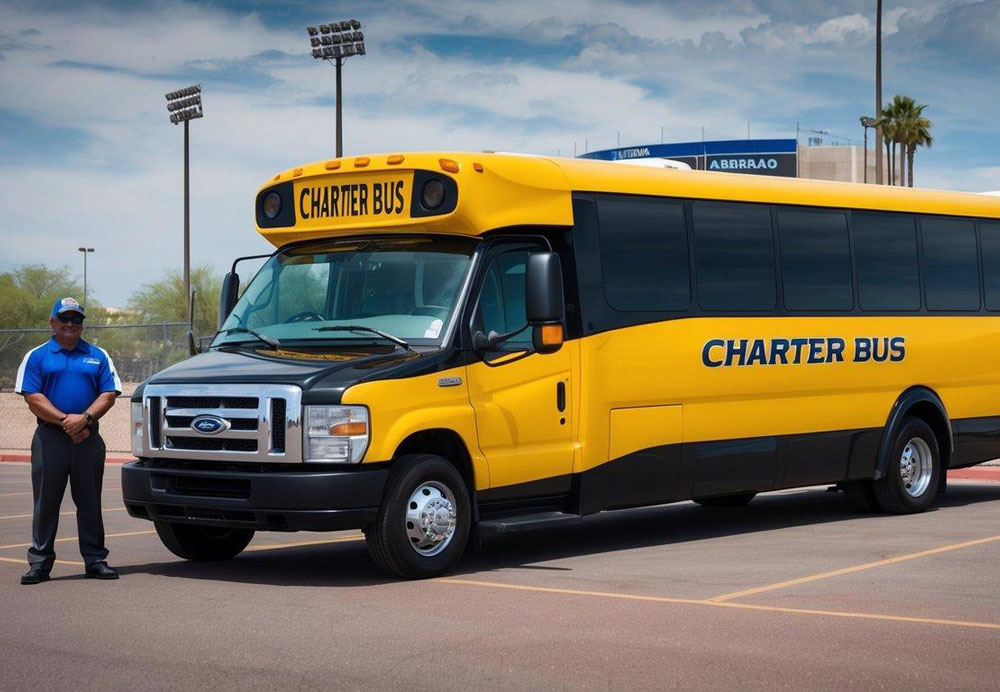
{"points": [[81, 346]]}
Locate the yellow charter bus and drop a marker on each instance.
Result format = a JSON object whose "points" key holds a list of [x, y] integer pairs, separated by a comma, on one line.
{"points": [[446, 346]]}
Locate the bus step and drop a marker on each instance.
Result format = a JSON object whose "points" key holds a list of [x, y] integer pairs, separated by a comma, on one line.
{"points": [[526, 522]]}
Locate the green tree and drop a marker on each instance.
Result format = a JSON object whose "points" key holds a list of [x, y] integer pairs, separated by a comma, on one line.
{"points": [[904, 123], [28, 292], [163, 300]]}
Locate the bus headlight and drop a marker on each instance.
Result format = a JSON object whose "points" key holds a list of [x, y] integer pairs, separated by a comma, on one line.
{"points": [[136, 429], [336, 433], [272, 205], [432, 196]]}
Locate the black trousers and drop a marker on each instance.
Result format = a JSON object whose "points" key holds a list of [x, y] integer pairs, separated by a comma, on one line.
{"points": [[54, 460]]}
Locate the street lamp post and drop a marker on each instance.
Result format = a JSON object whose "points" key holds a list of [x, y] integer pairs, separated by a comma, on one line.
{"points": [[866, 122], [184, 106], [335, 43], [85, 250]]}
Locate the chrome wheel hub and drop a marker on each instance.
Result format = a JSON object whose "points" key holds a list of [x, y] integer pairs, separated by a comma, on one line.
{"points": [[916, 466], [430, 518]]}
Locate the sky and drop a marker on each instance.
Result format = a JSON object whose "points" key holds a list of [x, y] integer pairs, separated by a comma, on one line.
{"points": [[89, 157]]}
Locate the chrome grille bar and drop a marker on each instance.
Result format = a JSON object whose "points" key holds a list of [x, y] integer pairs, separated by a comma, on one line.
{"points": [[229, 443]]}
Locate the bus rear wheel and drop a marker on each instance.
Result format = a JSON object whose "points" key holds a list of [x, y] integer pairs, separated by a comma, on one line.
{"points": [[425, 519], [202, 543], [734, 500], [911, 481]]}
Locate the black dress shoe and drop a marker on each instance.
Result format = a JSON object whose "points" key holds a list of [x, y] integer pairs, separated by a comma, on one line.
{"points": [[35, 575], [100, 570]]}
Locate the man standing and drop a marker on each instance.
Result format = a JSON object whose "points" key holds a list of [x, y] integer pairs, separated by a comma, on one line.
{"points": [[68, 384]]}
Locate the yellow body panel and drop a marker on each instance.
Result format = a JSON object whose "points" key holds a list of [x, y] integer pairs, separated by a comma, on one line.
{"points": [[517, 190], [410, 405], [644, 427], [661, 364]]}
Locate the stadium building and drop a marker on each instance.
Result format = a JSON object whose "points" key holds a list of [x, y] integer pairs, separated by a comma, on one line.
{"points": [[776, 157]]}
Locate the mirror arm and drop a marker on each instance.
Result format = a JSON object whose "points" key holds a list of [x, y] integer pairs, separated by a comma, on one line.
{"points": [[485, 342]]}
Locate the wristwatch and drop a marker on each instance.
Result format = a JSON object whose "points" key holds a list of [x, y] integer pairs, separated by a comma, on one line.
{"points": [[90, 418]]}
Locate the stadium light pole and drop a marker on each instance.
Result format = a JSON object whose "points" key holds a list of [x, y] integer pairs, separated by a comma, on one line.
{"points": [[866, 122], [85, 250], [336, 42], [184, 106]]}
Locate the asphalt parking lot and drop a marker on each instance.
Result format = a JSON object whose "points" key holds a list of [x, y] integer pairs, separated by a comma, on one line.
{"points": [[792, 591]]}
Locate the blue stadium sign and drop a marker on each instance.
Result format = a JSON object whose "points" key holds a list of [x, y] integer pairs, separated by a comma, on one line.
{"points": [[755, 156]]}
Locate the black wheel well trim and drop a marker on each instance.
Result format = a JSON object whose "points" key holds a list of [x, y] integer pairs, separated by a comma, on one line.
{"points": [[449, 445], [924, 403]]}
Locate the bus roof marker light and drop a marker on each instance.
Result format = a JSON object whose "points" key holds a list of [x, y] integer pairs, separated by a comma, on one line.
{"points": [[448, 165], [332, 165], [361, 162], [395, 159], [297, 172], [477, 167]]}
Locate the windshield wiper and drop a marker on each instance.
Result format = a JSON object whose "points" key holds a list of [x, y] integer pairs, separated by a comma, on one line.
{"points": [[269, 340], [360, 328]]}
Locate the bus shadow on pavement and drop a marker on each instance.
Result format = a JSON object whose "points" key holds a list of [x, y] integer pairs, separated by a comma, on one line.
{"points": [[348, 565]]}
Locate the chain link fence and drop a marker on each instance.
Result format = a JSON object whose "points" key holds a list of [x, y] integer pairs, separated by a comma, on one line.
{"points": [[138, 350]]}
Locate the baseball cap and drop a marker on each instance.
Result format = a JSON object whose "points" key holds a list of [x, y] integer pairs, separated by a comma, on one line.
{"points": [[66, 305]]}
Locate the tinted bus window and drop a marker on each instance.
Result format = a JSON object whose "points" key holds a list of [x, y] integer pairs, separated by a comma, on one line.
{"points": [[886, 248], [815, 259], [734, 251], [644, 253], [989, 231], [951, 264]]}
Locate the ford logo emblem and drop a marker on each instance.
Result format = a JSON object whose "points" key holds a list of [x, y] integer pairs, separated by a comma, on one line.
{"points": [[208, 425]]}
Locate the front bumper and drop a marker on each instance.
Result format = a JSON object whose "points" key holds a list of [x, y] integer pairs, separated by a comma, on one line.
{"points": [[269, 500]]}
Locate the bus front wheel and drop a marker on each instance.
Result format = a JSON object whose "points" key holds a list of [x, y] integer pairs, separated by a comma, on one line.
{"points": [[202, 543], [424, 521], [911, 481]]}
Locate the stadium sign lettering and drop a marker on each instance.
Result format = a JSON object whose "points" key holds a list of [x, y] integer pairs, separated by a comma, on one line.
{"points": [[753, 164]]}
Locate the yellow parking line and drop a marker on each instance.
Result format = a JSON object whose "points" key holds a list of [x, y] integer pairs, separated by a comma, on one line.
{"points": [[275, 546], [13, 494], [22, 561], [851, 570], [721, 604], [73, 538], [62, 514]]}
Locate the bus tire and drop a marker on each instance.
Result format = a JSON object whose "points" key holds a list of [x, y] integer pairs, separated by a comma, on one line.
{"points": [[202, 543], [861, 496], [913, 473], [734, 500], [425, 519]]}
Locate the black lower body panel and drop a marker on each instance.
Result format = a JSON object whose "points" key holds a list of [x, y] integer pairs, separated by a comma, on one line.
{"points": [[260, 500]]}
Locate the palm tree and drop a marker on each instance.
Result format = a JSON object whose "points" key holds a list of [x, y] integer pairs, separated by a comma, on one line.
{"points": [[904, 123]]}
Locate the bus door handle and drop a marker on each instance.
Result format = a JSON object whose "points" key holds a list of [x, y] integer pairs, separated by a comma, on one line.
{"points": [[561, 396]]}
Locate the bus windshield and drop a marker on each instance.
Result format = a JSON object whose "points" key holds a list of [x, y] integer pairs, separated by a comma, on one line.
{"points": [[407, 287]]}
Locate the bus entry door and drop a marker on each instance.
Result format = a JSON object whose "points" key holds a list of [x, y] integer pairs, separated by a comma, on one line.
{"points": [[522, 408]]}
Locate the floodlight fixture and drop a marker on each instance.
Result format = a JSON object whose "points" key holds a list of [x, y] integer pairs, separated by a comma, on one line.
{"points": [[184, 105], [336, 42]]}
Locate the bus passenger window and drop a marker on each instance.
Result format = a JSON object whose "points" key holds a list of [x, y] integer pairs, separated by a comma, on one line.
{"points": [[989, 232], [644, 253], [734, 252], [886, 248], [815, 259], [951, 264]]}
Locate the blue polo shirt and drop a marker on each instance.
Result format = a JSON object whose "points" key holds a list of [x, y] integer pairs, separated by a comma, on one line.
{"points": [[71, 380]]}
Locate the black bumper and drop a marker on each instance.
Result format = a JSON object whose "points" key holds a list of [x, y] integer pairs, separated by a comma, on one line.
{"points": [[280, 500]]}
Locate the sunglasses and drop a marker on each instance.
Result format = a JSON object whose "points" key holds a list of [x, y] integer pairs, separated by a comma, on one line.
{"points": [[75, 319]]}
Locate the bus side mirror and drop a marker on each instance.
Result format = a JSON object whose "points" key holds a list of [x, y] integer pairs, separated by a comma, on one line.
{"points": [[227, 296], [544, 306]]}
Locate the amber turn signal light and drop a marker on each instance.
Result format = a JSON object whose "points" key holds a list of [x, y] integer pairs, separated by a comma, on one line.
{"points": [[552, 334], [332, 165], [361, 162], [395, 159], [352, 428], [448, 165]]}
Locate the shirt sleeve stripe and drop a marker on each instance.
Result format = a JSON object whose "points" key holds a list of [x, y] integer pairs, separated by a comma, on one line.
{"points": [[19, 382], [114, 373]]}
